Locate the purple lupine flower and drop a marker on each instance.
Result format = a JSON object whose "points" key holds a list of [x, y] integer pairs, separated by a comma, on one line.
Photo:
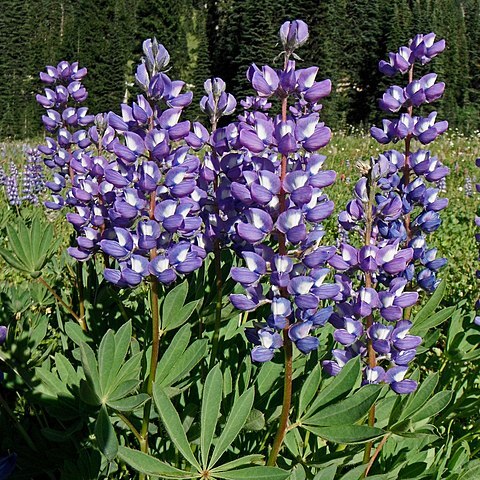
{"points": [[131, 180], [269, 187], [393, 189]]}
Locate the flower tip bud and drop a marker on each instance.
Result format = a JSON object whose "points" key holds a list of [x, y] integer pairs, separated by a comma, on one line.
{"points": [[293, 34]]}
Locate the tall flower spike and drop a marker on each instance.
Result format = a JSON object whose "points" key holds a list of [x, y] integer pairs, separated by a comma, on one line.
{"points": [[369, 319], [410, 180], [272, 187], [131, 179]]}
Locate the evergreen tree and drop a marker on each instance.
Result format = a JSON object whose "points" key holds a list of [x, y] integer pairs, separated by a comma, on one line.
{"points": [[200, 60], [452, 65]]}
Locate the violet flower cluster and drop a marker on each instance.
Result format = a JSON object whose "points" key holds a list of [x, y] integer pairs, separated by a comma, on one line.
{"points": [[418, 172], [133, 179], [369, 316], [24, 186], [272, 191], [394, 210], [65, 120]]}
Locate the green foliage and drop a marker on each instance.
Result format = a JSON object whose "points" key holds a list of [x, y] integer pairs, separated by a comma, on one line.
{"points": [[29, 247]]}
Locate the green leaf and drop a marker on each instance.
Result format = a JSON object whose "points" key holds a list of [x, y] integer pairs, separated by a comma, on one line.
{"points": [[122, 343], [90, 367], [255, 458], [173, 425], [471, 472], [237, 418], [183, 365], [181, 316], [106, 362], [254, 473], [130, 370], [434, 320], [105, 435], [173, 353], [65, 370], [148, 465], [255, 421], [268, 375], [338, 387], [431, 305], [13, 261], [351, 409], [173, 304], [211, 401], [75, 333], [327, 473], [15, 241], [435, 405], [128, 404], [309, 389], [346, 433]]}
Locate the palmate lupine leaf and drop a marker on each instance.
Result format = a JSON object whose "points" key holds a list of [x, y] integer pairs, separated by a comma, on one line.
{"points": [[253, 473], [309, 389], [431, 305], [408, 406], [111, 379], [349, 410], [236, 420], [105, 435], [346, 433], [29, 247]]}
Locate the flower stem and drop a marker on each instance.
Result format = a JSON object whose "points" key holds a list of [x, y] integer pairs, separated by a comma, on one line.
{"points": [[287, 399], [372, 359], [375, 455], [287, 343], [80, 320], [217, 250], [153, 364], [81, 298], [155, 346], [406, 165]]}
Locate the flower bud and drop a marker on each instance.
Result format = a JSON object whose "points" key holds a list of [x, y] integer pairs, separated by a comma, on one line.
{"points": [[293, 35]]}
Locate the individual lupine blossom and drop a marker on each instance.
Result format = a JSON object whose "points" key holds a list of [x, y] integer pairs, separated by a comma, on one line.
{"points": [[415, 174], [271, 205], [371, 314], [137, 198], [66, 121], [33, 178]]}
